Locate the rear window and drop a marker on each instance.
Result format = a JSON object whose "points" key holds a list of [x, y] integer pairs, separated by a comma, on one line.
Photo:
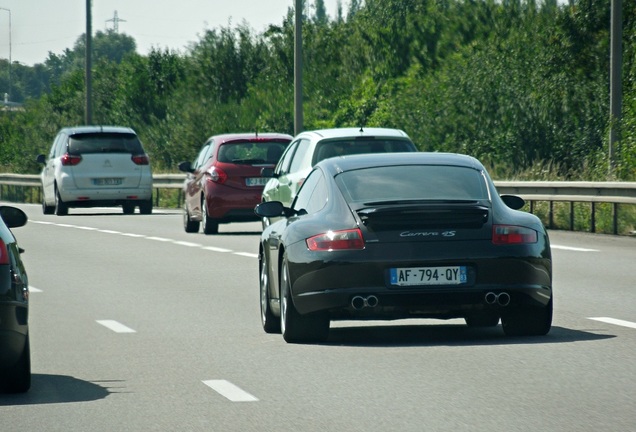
{"points": [[353, 146], [104, 143], [412, 182], [265, 152]]}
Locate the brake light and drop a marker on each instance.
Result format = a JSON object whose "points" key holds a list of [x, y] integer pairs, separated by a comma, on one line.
{"points": [[511, 234], [336, 240], [4, 254], [141, 159], [217, 175], [72, 160]]}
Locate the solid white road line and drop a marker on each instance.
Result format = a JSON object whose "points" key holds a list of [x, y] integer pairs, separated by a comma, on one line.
{"points": [[115, 326], [615, 321], [230, 391], [34, 289], [246, 254], [216, 249]]}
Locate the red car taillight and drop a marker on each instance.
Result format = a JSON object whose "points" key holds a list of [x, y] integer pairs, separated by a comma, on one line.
{"points": [[217, 175], [336, 240], [511, 234], [71, 160], [4, 254], [141, 159]]}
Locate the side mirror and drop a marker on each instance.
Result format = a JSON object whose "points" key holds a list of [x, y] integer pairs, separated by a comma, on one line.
{"points": [[270, 209], [41, 159], [513, 201], [267, 172], [13, 217], [186, 167]]}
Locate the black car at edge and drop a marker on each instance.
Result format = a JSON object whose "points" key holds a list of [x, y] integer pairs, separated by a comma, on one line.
{"points": [[393, 236], [15, 354]]}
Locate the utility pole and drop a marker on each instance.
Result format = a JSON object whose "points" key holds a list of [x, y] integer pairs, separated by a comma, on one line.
{"points": [[616, 92], [10, 61], [298, 67], [88, 113]]}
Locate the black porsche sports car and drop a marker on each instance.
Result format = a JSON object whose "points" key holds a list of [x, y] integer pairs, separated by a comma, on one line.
{"points": [[392, 236]]}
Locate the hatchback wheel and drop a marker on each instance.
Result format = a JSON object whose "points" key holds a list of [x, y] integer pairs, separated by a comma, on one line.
{"points": [[297, 328], [17, 379], [145, 207], [128, 208], [271, 323], [189, 225], [61, 209], [210, 226], [47, 209], [531, 321]]}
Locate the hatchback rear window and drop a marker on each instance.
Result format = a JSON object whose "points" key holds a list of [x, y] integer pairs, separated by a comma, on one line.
{"points": [[251, 153], [353, 146], [104, 143], [412, 183]]}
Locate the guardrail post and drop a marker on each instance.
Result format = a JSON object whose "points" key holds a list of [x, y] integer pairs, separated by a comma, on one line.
{"points": [[571, 215], [551, 215], [615, 218], [593, 218]]}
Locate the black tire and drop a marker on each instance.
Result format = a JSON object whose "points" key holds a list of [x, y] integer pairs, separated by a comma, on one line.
{"points": [[145, 207], [482, 320], [61, 209], [531, 321], [128, 208], [210, 226], [297, 328], [18, 378], [271, 323], [47, 209], [189, 225]]}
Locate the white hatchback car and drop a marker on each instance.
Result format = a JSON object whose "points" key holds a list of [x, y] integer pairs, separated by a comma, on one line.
{"points": [[90, 166], [309, 148]]}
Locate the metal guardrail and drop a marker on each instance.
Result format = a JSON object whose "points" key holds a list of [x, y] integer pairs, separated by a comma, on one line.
{"points": [[593, 193]]}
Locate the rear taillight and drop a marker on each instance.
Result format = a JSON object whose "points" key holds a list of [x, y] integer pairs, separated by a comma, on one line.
{"points": [[141, 159], [72, 160], [511, 234], [217, 175], [336, 240], [4, 254]]}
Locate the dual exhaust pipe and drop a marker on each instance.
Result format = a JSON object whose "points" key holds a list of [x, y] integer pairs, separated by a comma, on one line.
{"points": [[360, 302], [501, 299]]}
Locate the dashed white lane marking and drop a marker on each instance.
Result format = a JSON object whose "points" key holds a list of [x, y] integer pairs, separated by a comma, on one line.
{"points": [[615, 321], [246, 254], [230, 391], [115, 326], [575, 249], [34, 289], [161, 239]]}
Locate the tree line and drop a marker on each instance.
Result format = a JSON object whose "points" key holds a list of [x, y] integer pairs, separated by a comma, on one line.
{"points": [[522, 85]]}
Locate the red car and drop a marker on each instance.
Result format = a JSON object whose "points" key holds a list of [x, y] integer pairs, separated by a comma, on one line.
{"points": [[224, 183]]}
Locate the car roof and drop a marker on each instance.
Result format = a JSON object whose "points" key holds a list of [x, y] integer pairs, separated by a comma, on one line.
{"points": [[352, 162], [352, 132], [243, 136], [96, 129]]}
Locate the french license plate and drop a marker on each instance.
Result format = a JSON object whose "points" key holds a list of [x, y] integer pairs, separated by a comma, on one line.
{"points": [[453, 275], [256, 181], [107, 181]]}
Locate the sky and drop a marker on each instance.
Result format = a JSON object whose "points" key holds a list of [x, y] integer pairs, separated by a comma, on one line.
{"points": [[33, 28]]}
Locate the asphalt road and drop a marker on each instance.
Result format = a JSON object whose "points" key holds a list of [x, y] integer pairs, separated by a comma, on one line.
{"points": [[138, 326]]}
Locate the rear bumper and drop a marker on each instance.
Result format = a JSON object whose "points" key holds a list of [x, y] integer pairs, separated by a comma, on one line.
{"points": [[232, 205], [13, 333], [422, 303]]}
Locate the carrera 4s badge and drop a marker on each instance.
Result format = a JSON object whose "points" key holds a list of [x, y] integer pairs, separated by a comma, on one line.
{"points": [[427, 233]]}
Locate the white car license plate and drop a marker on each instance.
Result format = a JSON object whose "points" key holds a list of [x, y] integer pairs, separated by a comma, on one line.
{"points": [[454, 275], [107, 181], [256, 181]]}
